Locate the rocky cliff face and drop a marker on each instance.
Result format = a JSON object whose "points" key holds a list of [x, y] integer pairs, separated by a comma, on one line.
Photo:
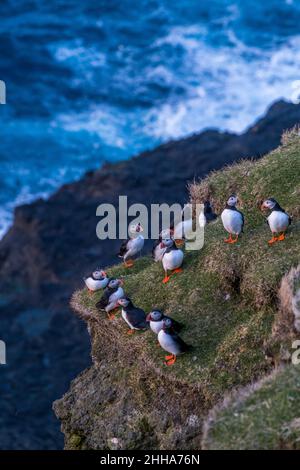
{"points": [[53, 243], [238, 304]]}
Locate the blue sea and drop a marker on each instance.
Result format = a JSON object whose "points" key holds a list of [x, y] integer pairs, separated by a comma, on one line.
{"points": [[94, 81]]}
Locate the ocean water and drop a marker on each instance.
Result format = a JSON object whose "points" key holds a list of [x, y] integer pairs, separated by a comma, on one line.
{"points": [[89, 82]]}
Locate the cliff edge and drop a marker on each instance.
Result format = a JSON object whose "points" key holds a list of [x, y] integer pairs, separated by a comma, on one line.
{"points": [[238, 307]]}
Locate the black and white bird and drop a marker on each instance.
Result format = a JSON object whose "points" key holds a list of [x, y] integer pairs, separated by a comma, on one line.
{"points": [[96, 280], [172, 258], [209, 213], [157, 250], [232, 219], [171, 342], [134, 317], [110, 297], [156, 320], [278, 220], [132, 246]]}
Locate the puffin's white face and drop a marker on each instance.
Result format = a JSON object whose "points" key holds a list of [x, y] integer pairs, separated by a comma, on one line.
{"points": [[268, 204], [156, 315], [123, 302], [167, 323], [113, 283], [232, 201], [136, 228], [99, 274], [166, 243]]}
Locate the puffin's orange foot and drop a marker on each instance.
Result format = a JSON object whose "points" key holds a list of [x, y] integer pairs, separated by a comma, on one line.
{"points": [[273, 240], [130, 332], [166, 279], [169, 357], [111, 316], [128, 264], [281, 237], [171, 361], [234, 240], [179, 242], [228, 240], [178, 270]]}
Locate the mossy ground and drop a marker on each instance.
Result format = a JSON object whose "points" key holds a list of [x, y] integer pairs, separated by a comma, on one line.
{"points": [[264, 417], [227, 294]]}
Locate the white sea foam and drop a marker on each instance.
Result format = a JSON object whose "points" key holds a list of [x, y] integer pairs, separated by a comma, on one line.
{"points": [[226, 88]]}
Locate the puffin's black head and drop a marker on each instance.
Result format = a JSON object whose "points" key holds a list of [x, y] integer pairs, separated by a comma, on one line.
{"points": [[99, 274], [232, 200], [269, 204], [167, 324], [155, 315], [124, 301], [113, 283]]}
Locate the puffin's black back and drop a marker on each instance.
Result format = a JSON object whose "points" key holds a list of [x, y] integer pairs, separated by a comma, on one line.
{"points": [[103, 302], [136, 316], [123, 248], [183, 346]]}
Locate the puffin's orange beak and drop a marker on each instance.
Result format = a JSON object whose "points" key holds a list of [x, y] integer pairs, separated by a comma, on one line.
{"points": [[262, 207], [148, 317], [179, 242], [162, 245]]}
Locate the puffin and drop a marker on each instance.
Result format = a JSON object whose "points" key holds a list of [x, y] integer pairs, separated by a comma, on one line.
{"points": [[96, 280], [156, 318], [184, 229], [171, 342], [172, 258], [209, 213], [132, 246], [278, 220], [233, 219], [157, 250], [134, 317], [110, 297]]}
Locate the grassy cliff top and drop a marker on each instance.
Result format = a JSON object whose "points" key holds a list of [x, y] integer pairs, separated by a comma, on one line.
{"points": [[227, 296]]}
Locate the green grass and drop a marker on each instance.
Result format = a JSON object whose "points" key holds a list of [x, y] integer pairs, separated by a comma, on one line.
{"points": [[227, 296], [264, 417]]}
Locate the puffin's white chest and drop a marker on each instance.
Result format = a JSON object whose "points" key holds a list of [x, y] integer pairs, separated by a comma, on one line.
{"points": [[135, 245], [158, 253], [183, 229], [172, 260], [156, 326], [116, 295], [125, 318], [232, 221], [278, 221], [167, 343], [94, 284]]}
